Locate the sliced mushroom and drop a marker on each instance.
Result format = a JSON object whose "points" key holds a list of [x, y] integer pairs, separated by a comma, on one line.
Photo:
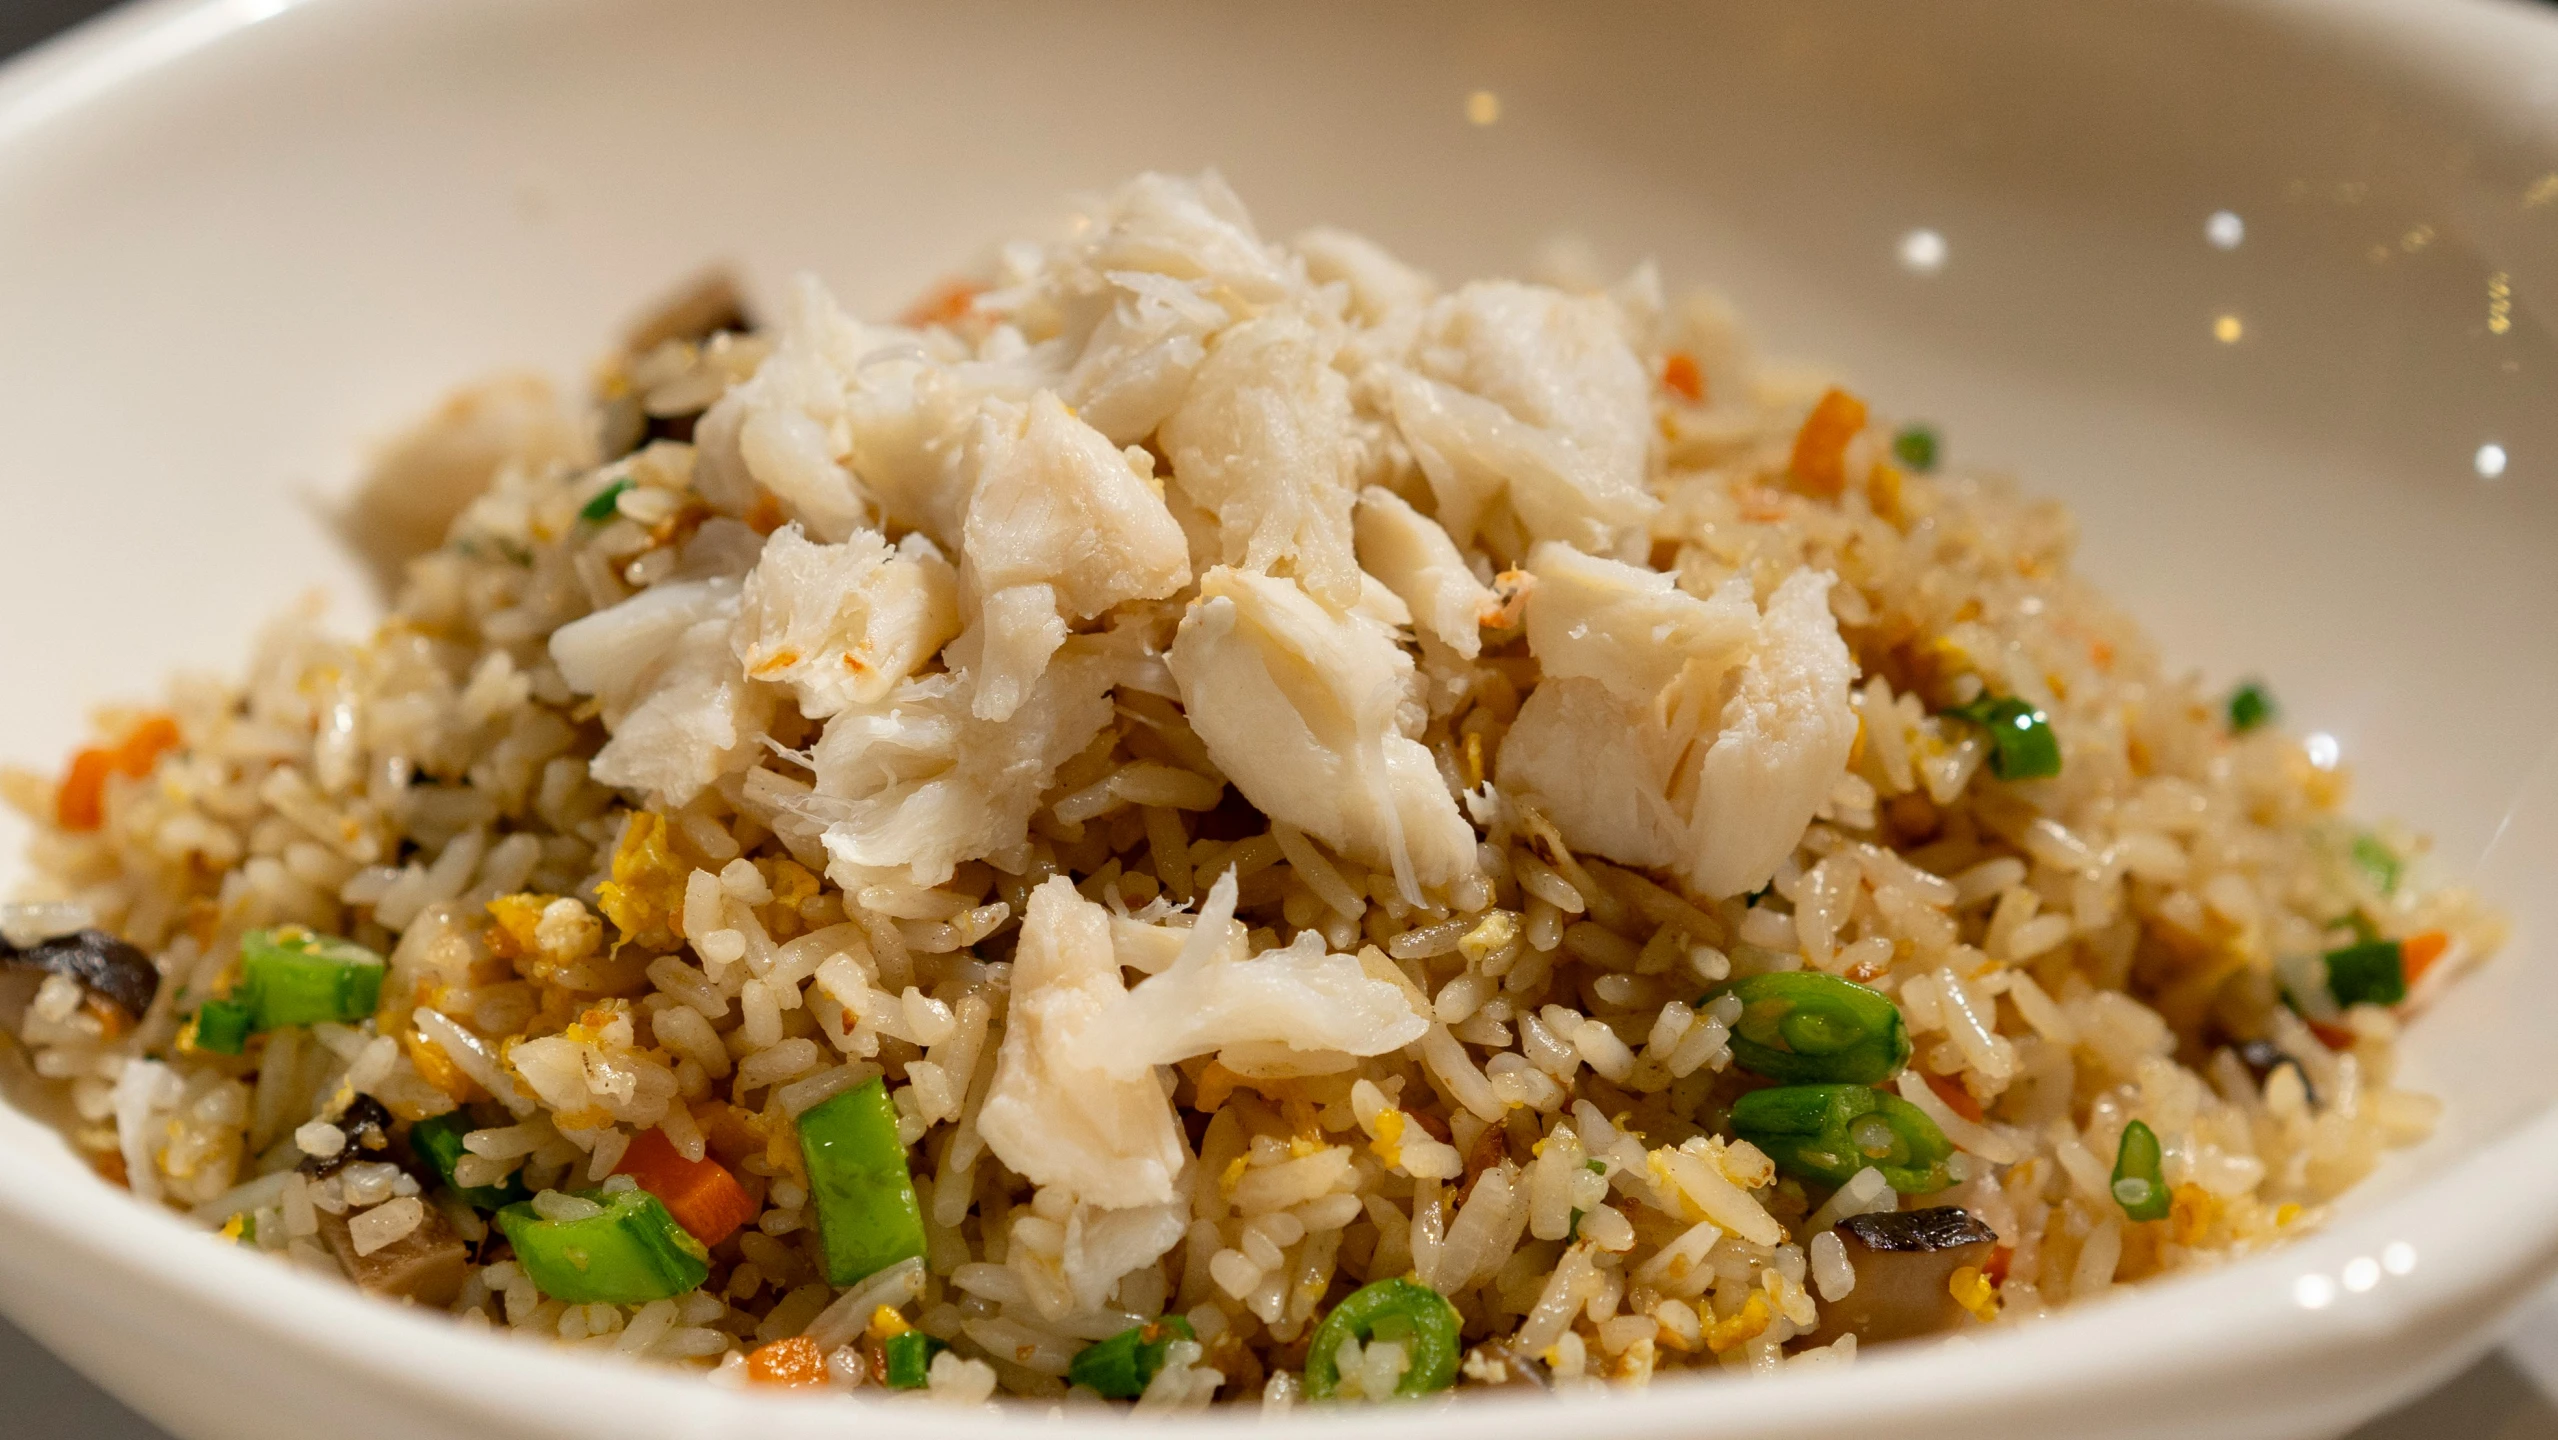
{"points": [[2263, 1057], [1903, 1261], [426, 1265], [119, 980], [367, 1127]]}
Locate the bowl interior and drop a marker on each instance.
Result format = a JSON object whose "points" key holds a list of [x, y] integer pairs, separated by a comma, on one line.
{"points": [[2317, 449]]}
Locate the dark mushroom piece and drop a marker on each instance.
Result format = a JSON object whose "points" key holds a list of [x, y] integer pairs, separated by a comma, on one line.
{"points": [[119, 981], [426, 1265], [367, 1127], [2263, 1057], [1904, 1261]]}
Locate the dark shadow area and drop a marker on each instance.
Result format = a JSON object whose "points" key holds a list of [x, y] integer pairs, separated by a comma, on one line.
{"points": [[24, 22], [42, 1396], [2491, 1400]]}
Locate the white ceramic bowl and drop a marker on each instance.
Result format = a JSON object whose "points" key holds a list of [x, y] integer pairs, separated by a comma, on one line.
{"points": [[239, 237]]}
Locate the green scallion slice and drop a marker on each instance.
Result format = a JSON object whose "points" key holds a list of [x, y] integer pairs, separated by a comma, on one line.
{"points": [[2140, 1185]]}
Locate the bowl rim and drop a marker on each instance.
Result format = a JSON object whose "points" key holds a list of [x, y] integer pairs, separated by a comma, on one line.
{"points": [[2322, 1295]]}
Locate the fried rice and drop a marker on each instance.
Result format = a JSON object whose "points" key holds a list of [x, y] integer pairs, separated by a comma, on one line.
{"points": [[1299, 787]]}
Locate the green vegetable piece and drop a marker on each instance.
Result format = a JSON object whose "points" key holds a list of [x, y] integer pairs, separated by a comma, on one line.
{"points": [[437, 1140], [2022, 745], [1829, 1132], [631, 1254], [2250, 705], [1915, 447], [2378, 862], [222, 1026], [2372, 973], [1805, 1027], [1404, 1311], [290, 976], [907, 1356], [1122, 1366], [867, 1215], [2140, 1187], [600, 508]]}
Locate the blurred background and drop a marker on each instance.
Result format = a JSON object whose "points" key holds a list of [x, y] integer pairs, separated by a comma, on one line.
{"points": [[2506, 1396]]}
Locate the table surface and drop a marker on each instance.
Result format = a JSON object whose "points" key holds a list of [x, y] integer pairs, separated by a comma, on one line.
{"points": [[2506, 1396]]}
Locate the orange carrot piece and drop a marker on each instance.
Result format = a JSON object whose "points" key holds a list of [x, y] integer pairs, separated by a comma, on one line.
{"points": [[2334, 1037], [1994, 1269], [1680, 373], [793, 1362], [81, 801], [702, 1196], [1819, 464], [1956, 1098], [2419, 953]]}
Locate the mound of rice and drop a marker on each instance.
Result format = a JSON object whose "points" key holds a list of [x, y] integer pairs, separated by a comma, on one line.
{"points": [[1272, 759]]}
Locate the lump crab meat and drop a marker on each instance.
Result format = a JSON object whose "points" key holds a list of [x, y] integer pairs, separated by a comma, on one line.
{"points": [[1407, 552], [1061, 525], [1524, 393], [1310, 714], [1694, 736], [911, 786], [1075, 1101], [842, 624], [1262, 442], [680, 709]]}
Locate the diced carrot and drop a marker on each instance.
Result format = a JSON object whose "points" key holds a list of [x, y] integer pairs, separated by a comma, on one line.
{"points": [[1994, 1269], [1680, 373], [1819, 464], [793, 1362], [80, 803], [944, 304], [2419, 953], [145, 743], [1956, 1098], [702, 1196], [2334, 1037]]}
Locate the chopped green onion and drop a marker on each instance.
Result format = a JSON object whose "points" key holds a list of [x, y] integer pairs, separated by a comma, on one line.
{"points": [[864, 1196], [2140, 1186], [1121, 1367], [2250, 705], [600, 508], [1403, 1311], [630, 1254], [437, 1140], [222, 1026], [2022, 745], [1829, 1132], [290, 976], [2371, 973], [906, 1358], [1915, 447], [2378, 862], [1805, 1027]]}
